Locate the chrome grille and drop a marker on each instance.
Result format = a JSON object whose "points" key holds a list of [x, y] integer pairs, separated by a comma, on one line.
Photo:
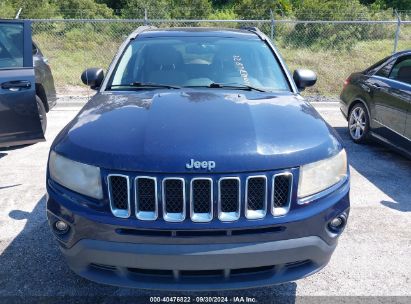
{"points": [[201, 198], [174, 199], [256, 197], [281, 193], [146, 198], [119, 195], [229, 198], [170, 194]]}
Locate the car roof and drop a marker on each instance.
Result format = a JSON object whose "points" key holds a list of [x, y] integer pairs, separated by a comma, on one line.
{"points": [[199, 32], [406, 52]]}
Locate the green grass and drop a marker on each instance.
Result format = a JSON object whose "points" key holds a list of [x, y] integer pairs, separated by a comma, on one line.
{"points": [[68, 62]]}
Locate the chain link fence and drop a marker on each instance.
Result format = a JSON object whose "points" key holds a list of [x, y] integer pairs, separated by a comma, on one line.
{"points": [[333, 49]]}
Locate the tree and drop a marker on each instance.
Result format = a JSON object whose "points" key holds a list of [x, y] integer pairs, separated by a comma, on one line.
{"points": [[329, 36], [134, 9], [395, 4], [190, 9], [251, 9], [223, 4], [86, 9], [330, 10], [164, 9], [7, 10], [36, 8], [61, 8], [113, 4]]}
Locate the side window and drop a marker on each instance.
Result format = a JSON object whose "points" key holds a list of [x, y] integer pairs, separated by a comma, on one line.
{"points": [[11, 45], [402, 70], [385, 70]]}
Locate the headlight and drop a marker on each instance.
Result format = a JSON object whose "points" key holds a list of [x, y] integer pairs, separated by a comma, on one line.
{"points": [[81, 178], [323, 174]]}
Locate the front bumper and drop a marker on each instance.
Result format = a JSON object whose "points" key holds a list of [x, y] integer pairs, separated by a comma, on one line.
{"points": [[196, 256], [198, 267]]}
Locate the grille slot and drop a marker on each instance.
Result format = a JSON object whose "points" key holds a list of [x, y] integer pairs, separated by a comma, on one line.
{"points": [[256, 197], [174, 203], [151, 272], [241, 271], [229, 198], [258, 230], [281, 193], [146, 198], [119, 195], [103, 267], [201, 273], [201, 199]]}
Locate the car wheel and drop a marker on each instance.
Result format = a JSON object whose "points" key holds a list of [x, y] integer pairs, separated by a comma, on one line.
{"points": [[42, 114], [358, 123]]}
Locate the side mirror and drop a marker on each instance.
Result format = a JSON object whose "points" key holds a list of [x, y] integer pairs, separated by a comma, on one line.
{"points": [[304, 78], [93, 77]]}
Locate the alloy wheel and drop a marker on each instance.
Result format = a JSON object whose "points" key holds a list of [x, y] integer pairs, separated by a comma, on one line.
{"points": [[357, 123]]}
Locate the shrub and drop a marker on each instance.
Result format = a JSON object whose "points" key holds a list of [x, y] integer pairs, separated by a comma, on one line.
{"points": [[7, 10], [85, 9], [329, 36]]}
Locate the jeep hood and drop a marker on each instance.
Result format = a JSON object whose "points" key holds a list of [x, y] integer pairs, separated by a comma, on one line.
{"points": [[162, 130]]}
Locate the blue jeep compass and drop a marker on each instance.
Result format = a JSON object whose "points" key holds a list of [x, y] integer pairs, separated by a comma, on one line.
{"points": [[197, 165]]}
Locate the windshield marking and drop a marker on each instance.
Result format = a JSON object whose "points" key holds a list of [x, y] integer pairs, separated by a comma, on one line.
{"points": [[241, 69]]}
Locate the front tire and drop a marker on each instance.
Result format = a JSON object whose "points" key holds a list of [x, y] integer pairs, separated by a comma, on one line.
{"points": [[358, 123], [42, 114]]}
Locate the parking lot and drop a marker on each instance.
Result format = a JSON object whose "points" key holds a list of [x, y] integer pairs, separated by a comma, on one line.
{"points": [[373, 257]]}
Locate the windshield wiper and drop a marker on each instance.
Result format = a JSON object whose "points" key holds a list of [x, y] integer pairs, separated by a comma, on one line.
{"points": [[145, 85], [235, 86]]}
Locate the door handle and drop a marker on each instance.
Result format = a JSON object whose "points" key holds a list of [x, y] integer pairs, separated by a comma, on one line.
{"points": [[376, 86], [366, 88], [16, 85]]}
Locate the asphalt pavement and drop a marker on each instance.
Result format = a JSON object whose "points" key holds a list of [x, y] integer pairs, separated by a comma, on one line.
{"points": [[373, 258]]}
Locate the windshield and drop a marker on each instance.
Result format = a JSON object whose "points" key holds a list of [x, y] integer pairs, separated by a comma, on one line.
{"points": [[198, 62]]}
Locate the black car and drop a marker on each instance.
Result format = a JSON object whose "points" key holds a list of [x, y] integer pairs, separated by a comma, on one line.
{"points": [[45, 91], [377, 102], [26, 86]]}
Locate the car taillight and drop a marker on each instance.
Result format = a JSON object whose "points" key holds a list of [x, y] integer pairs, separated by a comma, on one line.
{"points": [[346, 82]]}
